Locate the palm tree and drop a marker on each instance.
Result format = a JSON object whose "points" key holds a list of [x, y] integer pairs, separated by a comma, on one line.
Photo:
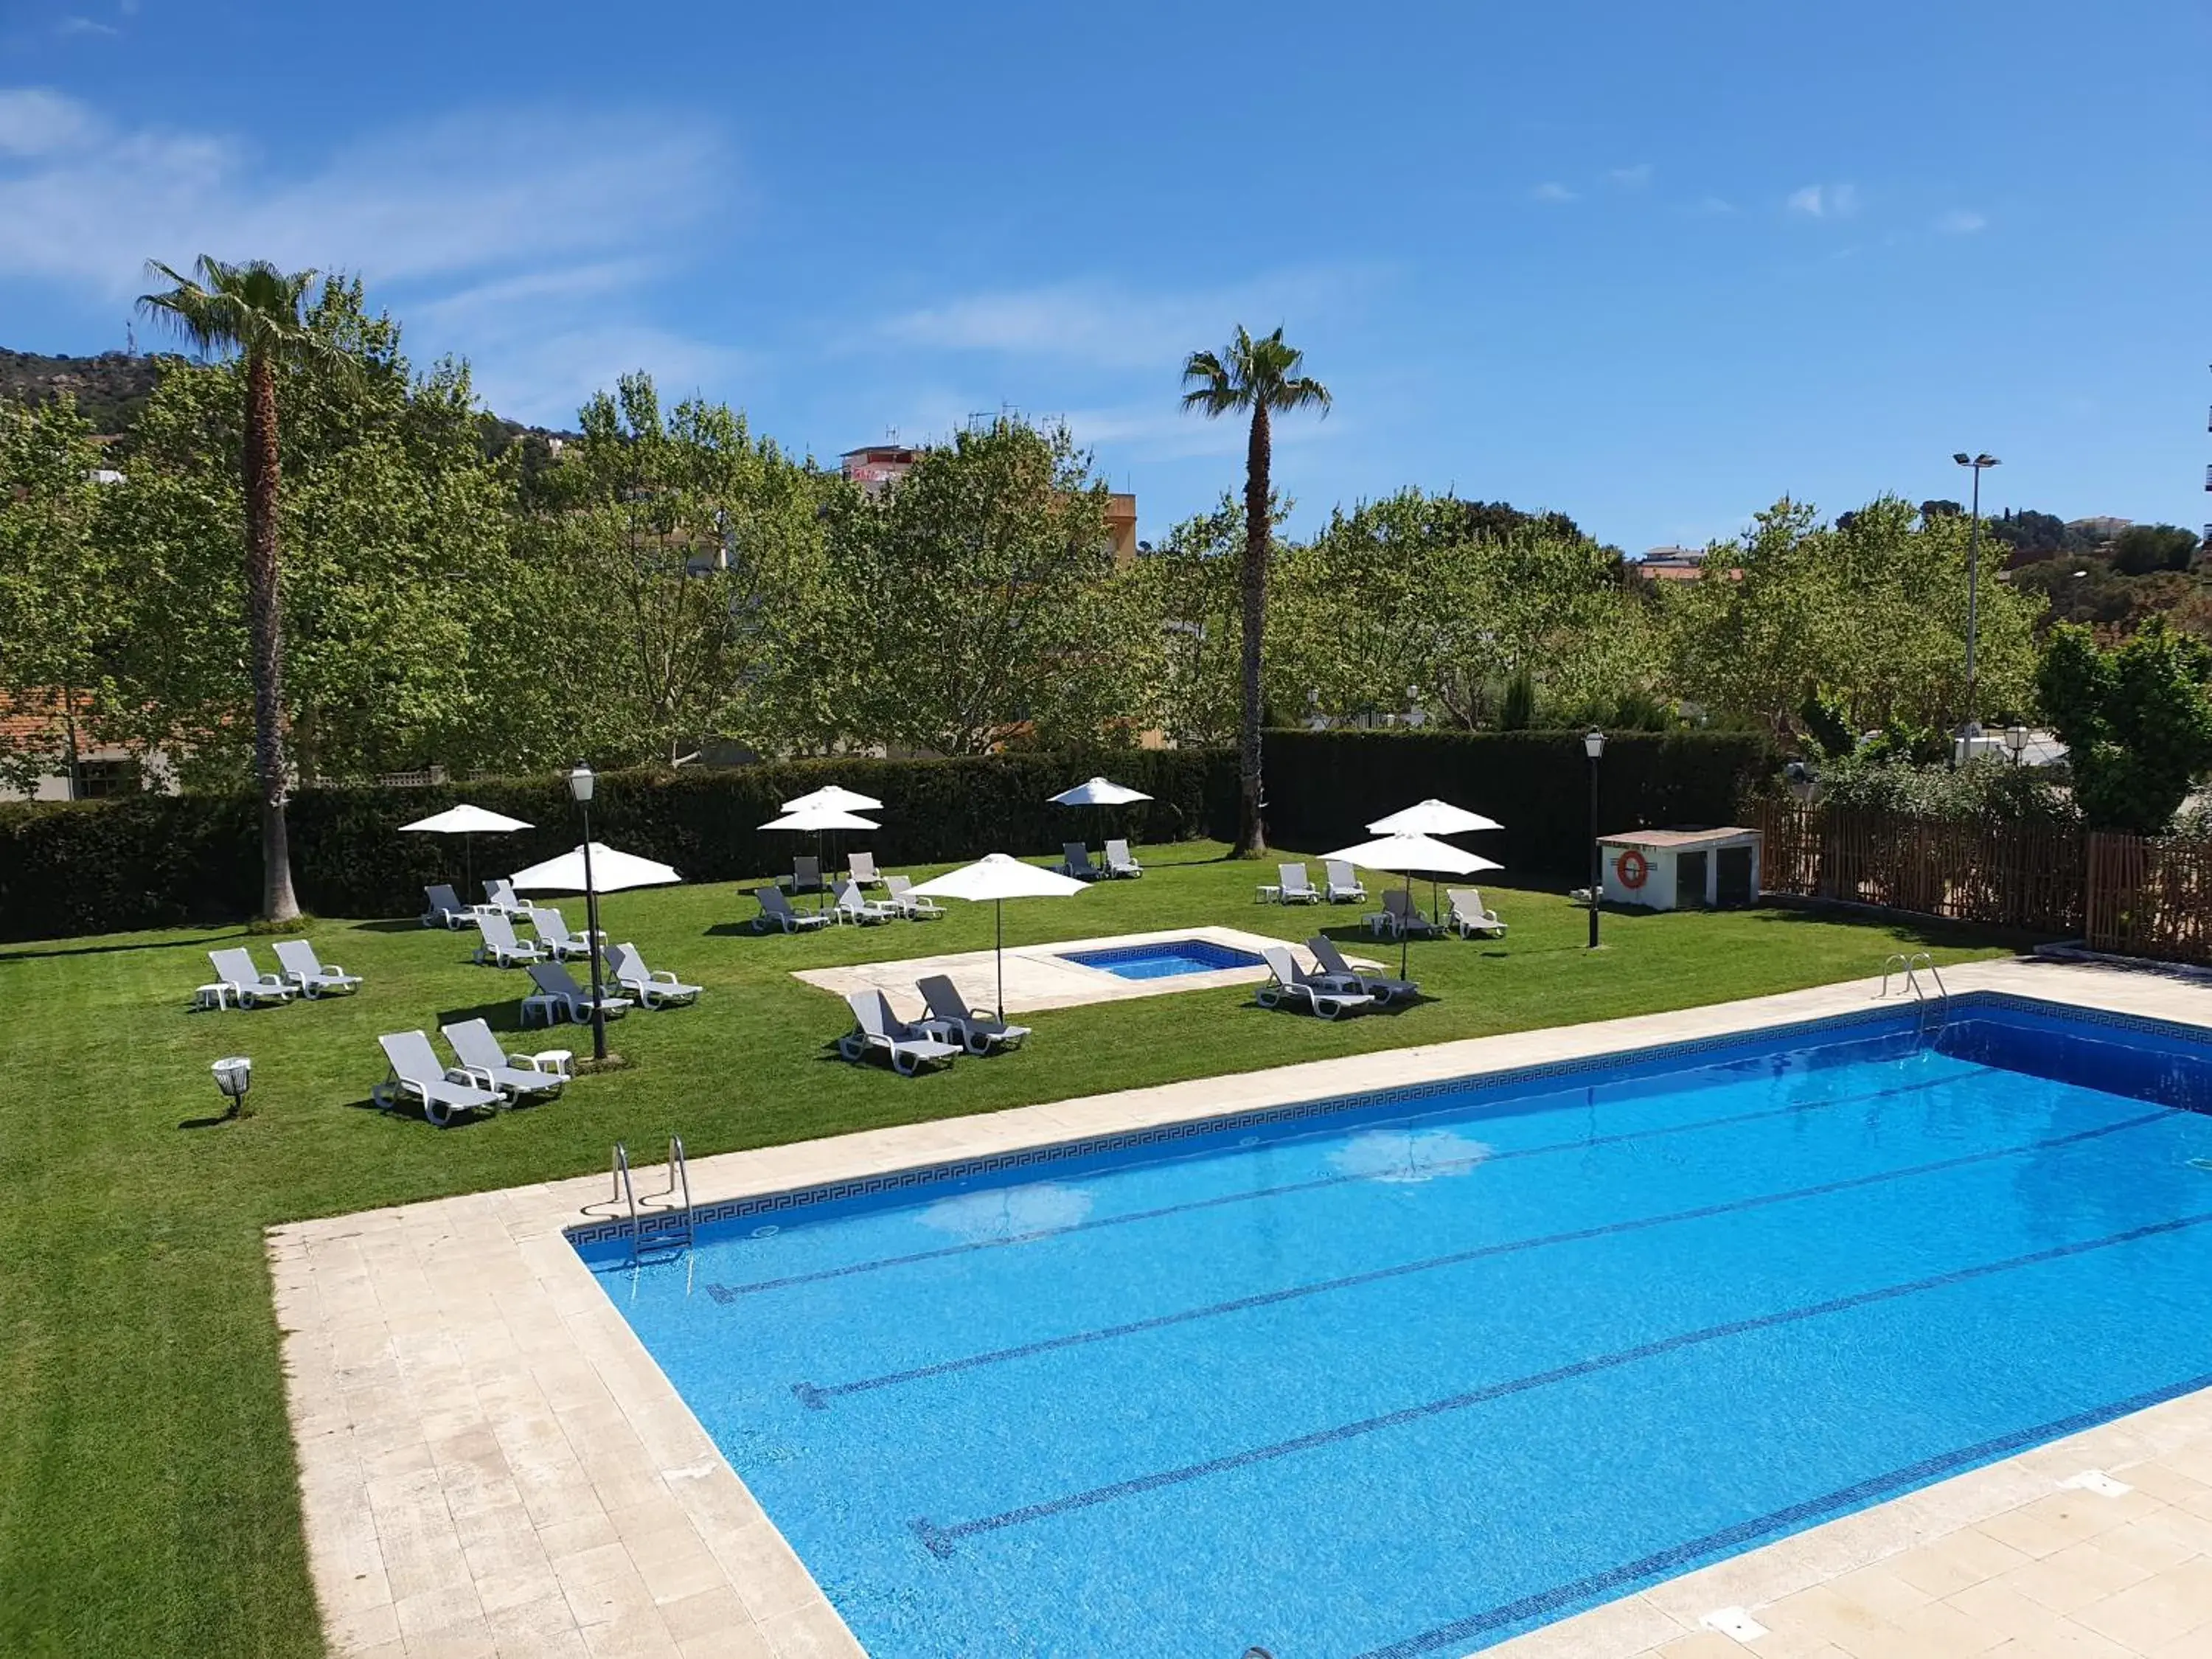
{"points": [[254, 310], [1261, 375]]}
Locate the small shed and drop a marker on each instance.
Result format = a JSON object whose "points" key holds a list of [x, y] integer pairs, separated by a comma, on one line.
{"points": [[1681, 869]]}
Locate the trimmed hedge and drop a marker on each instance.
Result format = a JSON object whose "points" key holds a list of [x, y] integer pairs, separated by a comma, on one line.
{"points": [[158, 861], [1325, 788]]}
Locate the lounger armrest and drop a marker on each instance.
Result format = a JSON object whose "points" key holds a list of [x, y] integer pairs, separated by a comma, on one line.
{"points": [[476, 1076]]}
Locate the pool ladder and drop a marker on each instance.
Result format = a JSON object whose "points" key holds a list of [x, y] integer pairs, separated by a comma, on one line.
{"points": [[661, 1220], [1937, 1008]]}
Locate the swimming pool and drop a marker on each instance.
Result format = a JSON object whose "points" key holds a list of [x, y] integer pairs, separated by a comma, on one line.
{"points": [[1166, 959], [1407, 1375]]}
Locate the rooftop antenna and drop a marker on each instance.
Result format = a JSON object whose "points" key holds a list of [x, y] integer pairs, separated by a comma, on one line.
{"points": [[129, 339]]}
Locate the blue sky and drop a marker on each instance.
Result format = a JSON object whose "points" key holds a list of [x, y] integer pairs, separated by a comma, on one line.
{"points": [[1652, 266]]}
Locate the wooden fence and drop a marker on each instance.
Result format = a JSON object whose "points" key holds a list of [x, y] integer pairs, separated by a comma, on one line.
{"points": [[2120, 893], [2150, 898], [2029, 877]]}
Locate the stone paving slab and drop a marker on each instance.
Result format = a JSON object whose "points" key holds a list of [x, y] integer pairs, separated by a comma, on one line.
{"points": [[1040, 976], [491, 1464]]}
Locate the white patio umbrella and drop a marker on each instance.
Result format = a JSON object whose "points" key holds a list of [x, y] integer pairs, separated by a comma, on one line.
{"points": [[820, 820], [468, 822], [1098, 791], [1433, 818], [998, 877], [1413, 855], [594, 867], [837, 798]]}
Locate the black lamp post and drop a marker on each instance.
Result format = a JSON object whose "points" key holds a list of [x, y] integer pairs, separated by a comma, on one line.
{"points": [[1594, 746], [1972, 723], [581, 784]]}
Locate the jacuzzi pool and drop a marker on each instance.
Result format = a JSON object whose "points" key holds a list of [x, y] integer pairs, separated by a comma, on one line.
{"points": [[1164, 958]]}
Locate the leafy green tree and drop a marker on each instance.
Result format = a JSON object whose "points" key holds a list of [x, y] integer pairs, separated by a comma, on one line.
{"points": [[1401, 594], [408, 611], [1873, 610], [56, 606], [1190, 587], [253, 310], [982, 595], [687, 562], [2142, 548], [1261, 377], [2136, 722]]}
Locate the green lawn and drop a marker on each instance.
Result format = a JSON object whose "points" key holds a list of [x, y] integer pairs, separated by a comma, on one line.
{"points": [[145, 1478]]}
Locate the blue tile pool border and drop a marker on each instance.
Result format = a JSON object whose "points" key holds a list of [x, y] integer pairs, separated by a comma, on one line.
{"points": [[1369, 1100]]}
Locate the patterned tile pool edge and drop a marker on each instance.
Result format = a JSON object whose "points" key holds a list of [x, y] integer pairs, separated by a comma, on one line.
{"points": [[1053, 1152]]}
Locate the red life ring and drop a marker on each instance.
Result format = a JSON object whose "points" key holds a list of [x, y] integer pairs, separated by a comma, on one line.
{"points": [[1633, 869]]}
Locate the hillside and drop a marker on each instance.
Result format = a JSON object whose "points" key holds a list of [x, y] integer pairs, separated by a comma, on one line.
{"points": [[110, 389]]}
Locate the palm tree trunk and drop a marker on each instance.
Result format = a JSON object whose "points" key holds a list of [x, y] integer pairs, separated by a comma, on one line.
{"points": [[1251, 832], [265, 626]]}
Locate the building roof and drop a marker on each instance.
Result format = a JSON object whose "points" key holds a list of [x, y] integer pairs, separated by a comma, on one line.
{"points": [[1692, 838]]}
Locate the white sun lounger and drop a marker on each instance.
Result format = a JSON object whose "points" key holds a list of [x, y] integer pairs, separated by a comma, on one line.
{"points": [[1075, 860], [899, 894], [499, 895], [417, 1076], [1470, 916], [490, 1067], [948, 1012], [1294, 988], [910, 1047], [236, 978], [861, 867], [1340, 883], [1400, 917], [296, 957], [446, 909], [553, 933], [1343, 975], [652, 990], [558, 993], [499, 946], [1120, 862], [1296, 889], [775, 911], [852, 906]]}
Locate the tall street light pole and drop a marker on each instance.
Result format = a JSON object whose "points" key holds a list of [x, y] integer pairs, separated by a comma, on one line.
{"points": [[1594, 746], [1972, 722], [581, 785]]}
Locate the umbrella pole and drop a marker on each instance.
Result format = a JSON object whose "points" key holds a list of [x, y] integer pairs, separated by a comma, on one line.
{"points": [[998, 908], [1405, 933]]}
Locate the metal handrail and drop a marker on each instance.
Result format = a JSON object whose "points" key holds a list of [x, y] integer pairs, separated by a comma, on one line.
{"points": [[1895, 962]]}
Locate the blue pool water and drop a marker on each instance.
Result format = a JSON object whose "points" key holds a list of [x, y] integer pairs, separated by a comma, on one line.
{"points": [[1165, 960], [1410, 1376]]}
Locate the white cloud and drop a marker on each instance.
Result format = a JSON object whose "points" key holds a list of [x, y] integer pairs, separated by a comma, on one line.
{"points": [[92, 201], [1961, 221], [34, 121], [1824, 201], [1714, 204], [1633, 178], [1110, 327], [1552, 190], [75, 25]]}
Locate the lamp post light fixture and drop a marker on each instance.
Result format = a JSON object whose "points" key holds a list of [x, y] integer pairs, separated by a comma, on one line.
{"points": [[1972, 724], [2017, 740], [234, 1075], [581, 785], [1594, 746]]}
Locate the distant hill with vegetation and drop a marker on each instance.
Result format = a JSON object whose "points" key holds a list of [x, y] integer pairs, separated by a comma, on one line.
{"points": [[110, 389]]}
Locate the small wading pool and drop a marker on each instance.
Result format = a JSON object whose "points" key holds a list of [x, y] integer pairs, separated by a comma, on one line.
{"points": [[1397, 1376], [1165, 959]]}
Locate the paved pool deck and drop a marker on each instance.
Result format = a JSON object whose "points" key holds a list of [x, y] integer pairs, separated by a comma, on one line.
{"points": [[491, 1466]]}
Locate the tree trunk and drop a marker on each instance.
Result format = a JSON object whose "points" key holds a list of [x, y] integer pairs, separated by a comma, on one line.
{"points": [[1251, 831], [264, 625]]}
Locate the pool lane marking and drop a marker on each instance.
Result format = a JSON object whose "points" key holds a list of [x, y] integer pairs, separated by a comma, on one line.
{"points": [[818, 1395], [727, 1293], [940, 1541], [1546, 1605]]}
